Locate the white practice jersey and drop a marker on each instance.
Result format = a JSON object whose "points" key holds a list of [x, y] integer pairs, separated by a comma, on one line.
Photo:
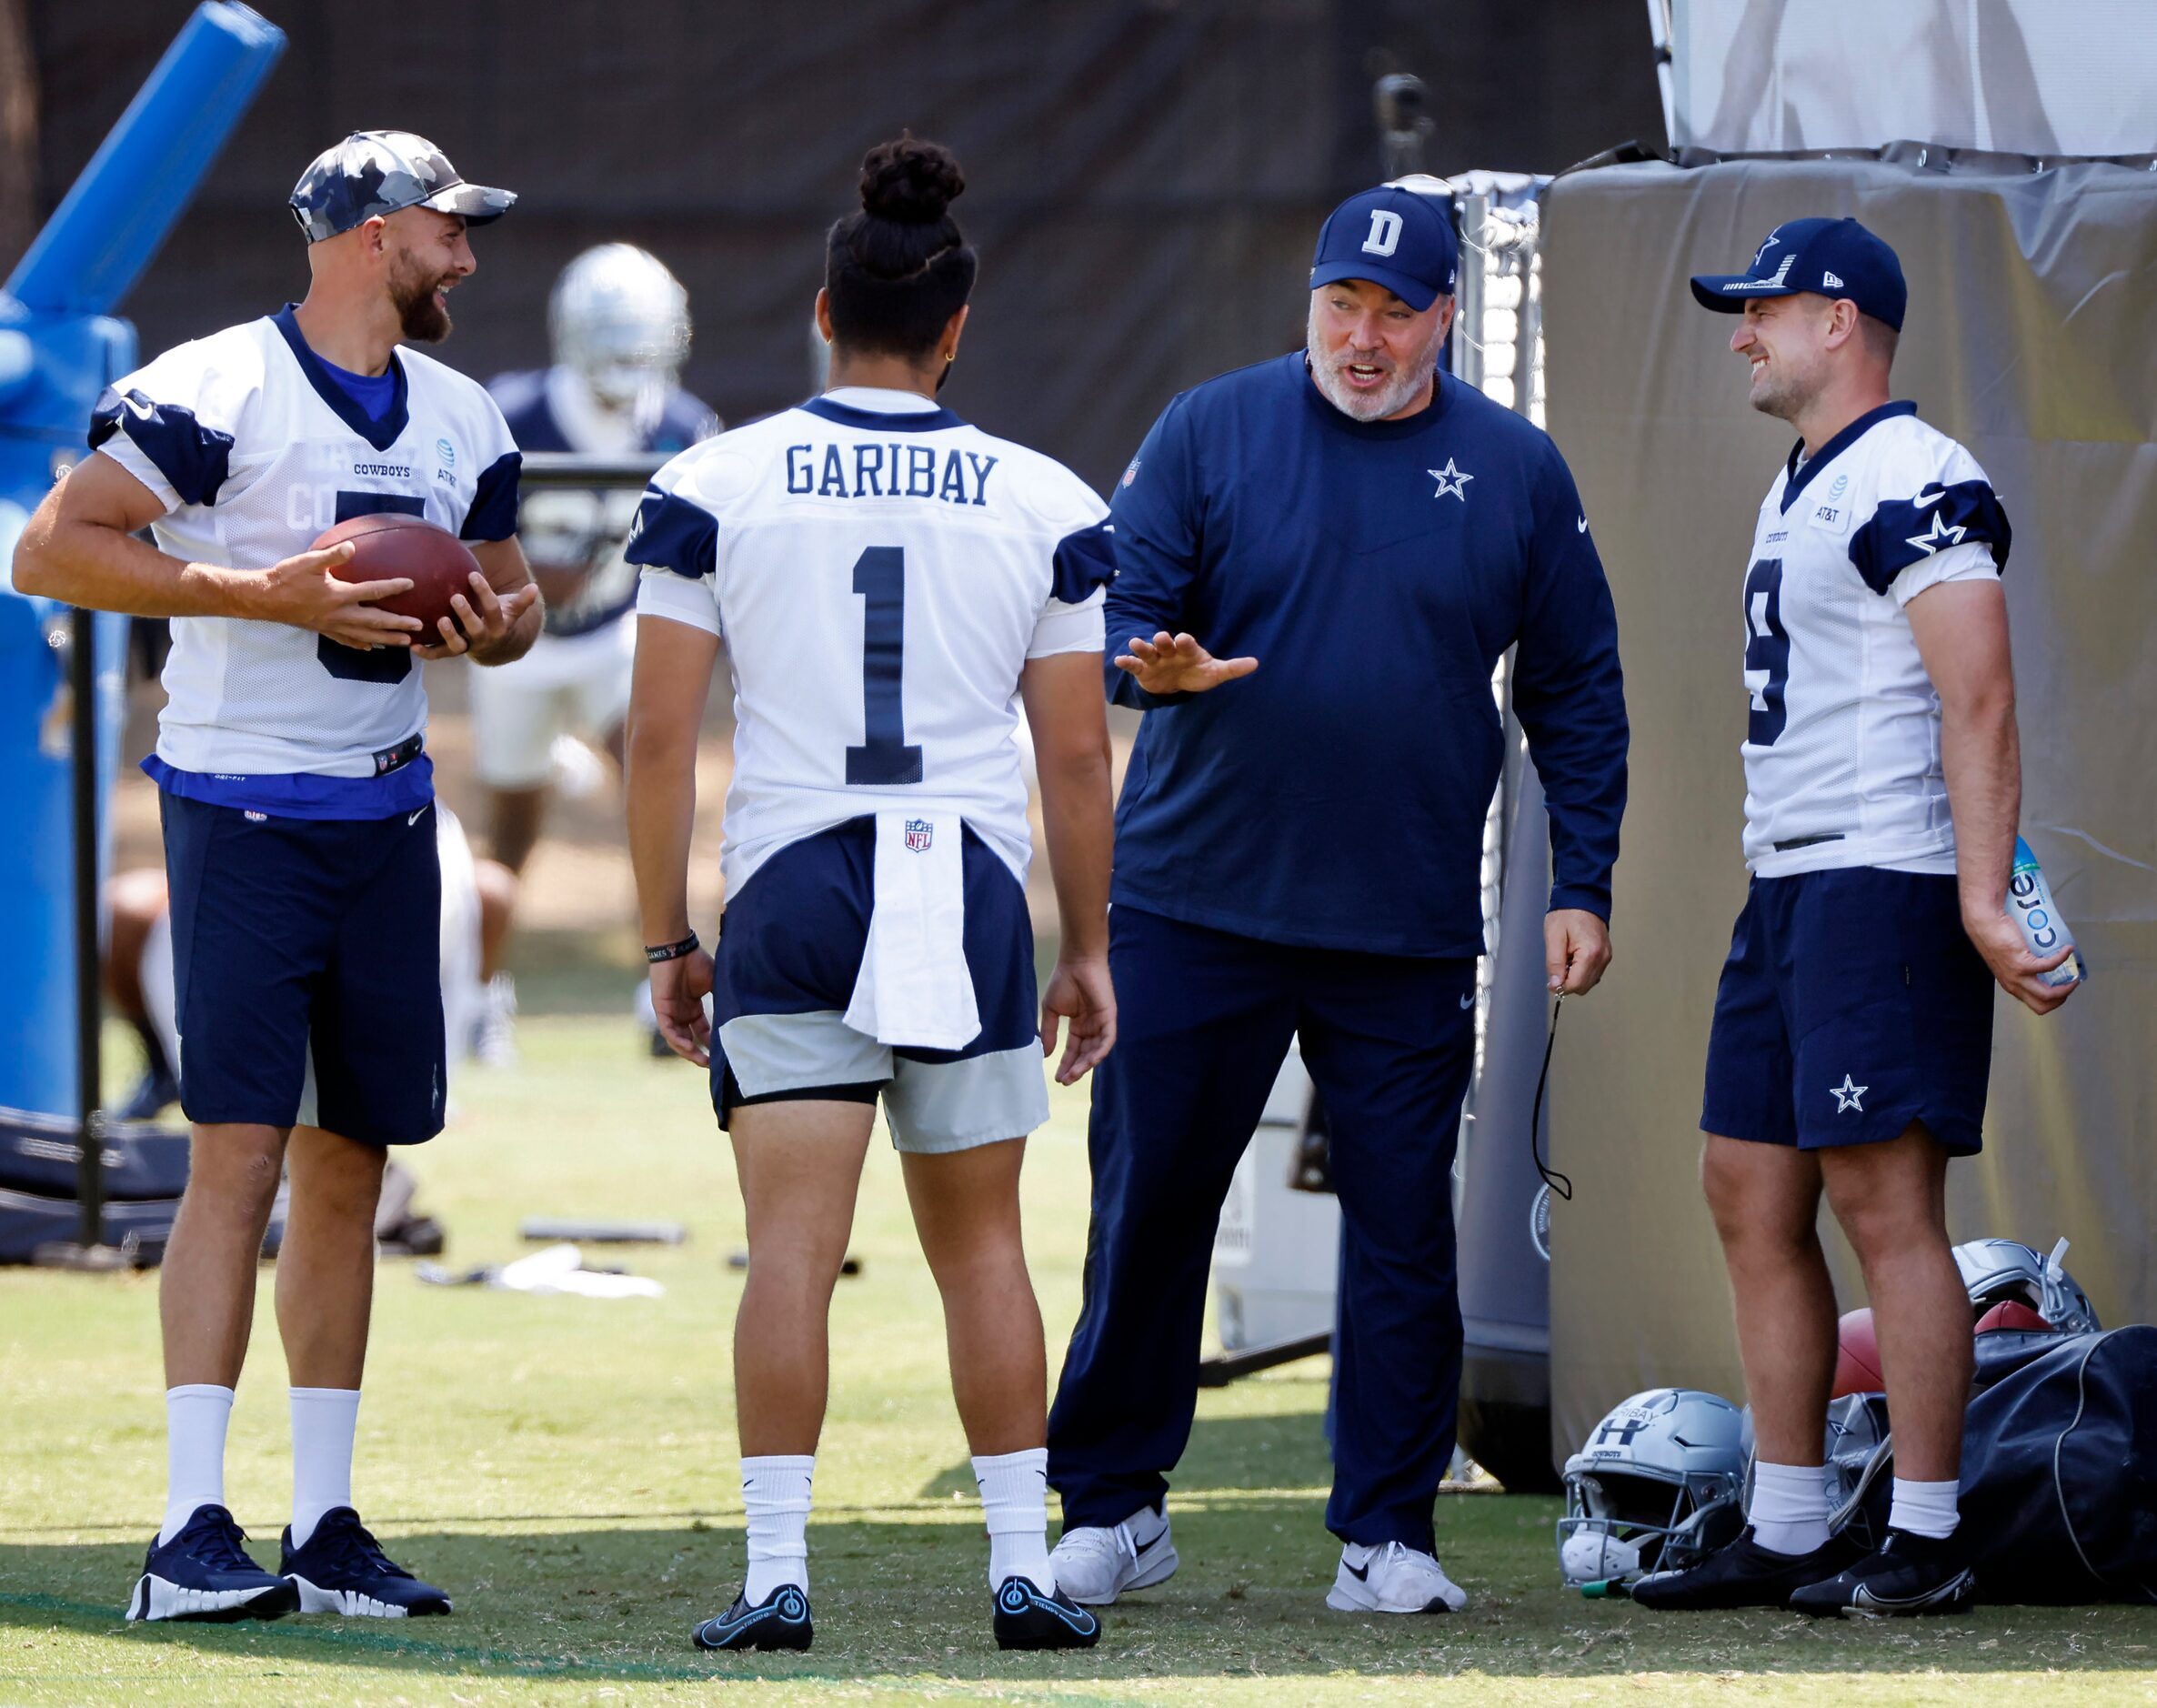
{"points": [[254, 450], [1843, 748], [882, 572]]}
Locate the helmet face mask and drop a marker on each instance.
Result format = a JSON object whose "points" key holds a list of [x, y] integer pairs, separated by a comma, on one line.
{"points": [[1656, 1487], [2006, 1271], [620, 321]]}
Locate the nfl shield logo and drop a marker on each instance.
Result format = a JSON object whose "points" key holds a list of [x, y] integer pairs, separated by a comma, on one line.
{"points": [[919, 833]]}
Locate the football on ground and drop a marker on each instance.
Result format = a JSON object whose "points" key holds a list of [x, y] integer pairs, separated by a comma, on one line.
{"points": [[390, 545]]}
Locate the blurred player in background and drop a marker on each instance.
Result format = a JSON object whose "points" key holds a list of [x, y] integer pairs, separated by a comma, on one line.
{"points": [[891, 582], [619, 323], [295, 793], [1853, 1038]]}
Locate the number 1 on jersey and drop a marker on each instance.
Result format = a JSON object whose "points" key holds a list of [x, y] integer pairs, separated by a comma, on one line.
{"points": [[883, 757]]}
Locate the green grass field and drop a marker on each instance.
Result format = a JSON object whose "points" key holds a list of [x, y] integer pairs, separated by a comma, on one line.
{"points": [[565, 1468]]}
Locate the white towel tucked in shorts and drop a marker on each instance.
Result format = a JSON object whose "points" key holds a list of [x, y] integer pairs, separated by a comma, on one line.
{"points": [[914, 988]]}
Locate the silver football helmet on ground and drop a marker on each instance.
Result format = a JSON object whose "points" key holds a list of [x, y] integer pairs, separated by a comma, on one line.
{"points": [[620, 321], [1999, 1270], [1656, 1487]]}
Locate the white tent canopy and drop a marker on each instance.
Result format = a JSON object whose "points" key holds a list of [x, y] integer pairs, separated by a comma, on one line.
{"points": [[2019, 76]]}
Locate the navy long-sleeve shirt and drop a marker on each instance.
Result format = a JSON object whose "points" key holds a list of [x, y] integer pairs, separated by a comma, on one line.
{"points": [[1376, 571]]}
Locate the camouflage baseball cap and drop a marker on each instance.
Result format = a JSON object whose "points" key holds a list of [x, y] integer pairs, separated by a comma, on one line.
{"points": [[375, 172]]}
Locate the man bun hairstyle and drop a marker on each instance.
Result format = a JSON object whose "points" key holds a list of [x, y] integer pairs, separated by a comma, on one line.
{"points": [[896, 271]]}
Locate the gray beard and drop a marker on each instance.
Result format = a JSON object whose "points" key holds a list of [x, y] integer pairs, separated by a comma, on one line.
{"points": [[1389, 399]]}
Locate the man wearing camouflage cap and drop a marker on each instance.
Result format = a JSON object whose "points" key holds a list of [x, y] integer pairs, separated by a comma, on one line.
{"points": [[373, 173], [296, 798]]}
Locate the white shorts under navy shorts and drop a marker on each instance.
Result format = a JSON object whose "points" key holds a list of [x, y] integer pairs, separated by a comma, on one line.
{"points": [[784, 971], [306, 968], [568, 685], [1852, 1005]]}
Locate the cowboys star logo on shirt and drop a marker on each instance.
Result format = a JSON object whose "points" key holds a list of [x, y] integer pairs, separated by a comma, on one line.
{"points": [[1452, 482], [1939, 534]]}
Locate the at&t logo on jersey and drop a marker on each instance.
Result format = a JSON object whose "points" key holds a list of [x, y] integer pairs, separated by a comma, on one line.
{"points": [[445, 459]]}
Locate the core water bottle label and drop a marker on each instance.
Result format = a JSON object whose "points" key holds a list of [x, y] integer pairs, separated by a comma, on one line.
{"points": [[2030, 900]]}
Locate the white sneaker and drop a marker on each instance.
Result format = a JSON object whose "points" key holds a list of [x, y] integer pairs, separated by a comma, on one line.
{"points": [[573, 769], [494, 1038], [1394, 1579], [1095, 1564]]}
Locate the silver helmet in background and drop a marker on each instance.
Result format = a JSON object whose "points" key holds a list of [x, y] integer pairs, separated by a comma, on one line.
{"points": [[620, 321], [1996, 1271], [1655, 1487]]}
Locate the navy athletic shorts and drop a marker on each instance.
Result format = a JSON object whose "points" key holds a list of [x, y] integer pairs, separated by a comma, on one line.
{"points": [[307, 965], [784, 970], [1852, 1005]]}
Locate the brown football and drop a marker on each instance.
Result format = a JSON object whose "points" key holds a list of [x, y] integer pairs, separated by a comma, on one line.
{"points": [[390, 545], [1857, 1355], [2011, 1313]]}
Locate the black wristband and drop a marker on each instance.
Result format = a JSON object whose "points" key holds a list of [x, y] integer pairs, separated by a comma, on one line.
{"points": [[673, 951]]}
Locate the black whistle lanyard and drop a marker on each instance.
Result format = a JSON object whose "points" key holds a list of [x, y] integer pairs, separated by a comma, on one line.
{"points": [[1556, 1181]]}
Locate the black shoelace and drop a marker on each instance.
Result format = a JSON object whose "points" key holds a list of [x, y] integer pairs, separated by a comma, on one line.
{"points": [[356, 1542], [215, 1539]]}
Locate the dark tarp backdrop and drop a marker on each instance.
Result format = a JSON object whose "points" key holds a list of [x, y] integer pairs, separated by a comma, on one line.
{"points": [[1146, 177], [2032, 338]]}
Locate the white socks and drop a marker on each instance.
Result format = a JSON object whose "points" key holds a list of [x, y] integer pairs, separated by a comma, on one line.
{"points": [[195, 1415], [1789, 1507], [1015, 1503], [775, 1493], [1925, 1509], [324, 1421]]}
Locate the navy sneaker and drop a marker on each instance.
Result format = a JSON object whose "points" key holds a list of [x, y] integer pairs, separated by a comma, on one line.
{"points": [[1027, 1619], [781, 1620], [203, 1573], [1910, 1574], [342, 1570]]}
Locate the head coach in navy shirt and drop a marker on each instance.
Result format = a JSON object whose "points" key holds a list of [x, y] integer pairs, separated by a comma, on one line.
{"points": [[1322, 559]]}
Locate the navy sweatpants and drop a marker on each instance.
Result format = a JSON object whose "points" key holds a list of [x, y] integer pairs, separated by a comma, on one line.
{"points": [[1204, 1019]]}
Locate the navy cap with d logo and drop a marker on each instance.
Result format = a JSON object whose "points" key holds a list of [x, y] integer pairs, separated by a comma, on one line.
{"points": [[1393, 237], [1830, 257]]}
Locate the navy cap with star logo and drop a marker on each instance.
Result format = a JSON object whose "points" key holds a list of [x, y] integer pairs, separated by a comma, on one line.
{"points": [[1829, 257], [1394, 237], [378, 171]]}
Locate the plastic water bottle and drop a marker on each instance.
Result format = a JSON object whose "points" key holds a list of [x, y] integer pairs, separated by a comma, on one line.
{"points": [[2029, 900]]}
